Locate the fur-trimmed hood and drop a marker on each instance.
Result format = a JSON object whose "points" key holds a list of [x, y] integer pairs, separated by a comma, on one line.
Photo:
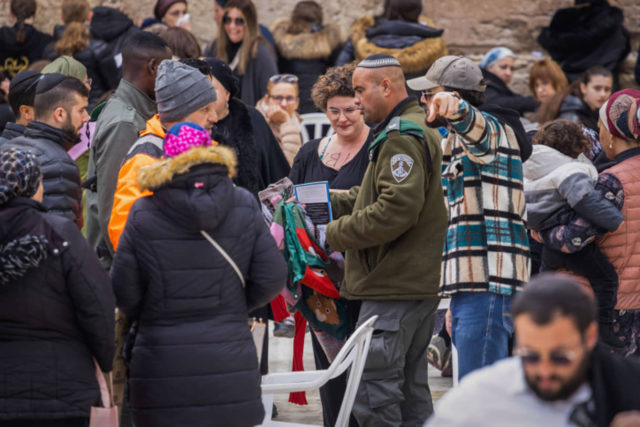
{"points": [[415, 58], [193, 189], [315, 45], [164, 171]]}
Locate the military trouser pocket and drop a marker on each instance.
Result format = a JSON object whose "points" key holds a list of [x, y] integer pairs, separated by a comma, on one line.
{"points": [[384, 349], [383, 390]]}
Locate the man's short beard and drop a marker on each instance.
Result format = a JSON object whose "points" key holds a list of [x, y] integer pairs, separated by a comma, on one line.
{"points": [[69, 127], [568, 388]]}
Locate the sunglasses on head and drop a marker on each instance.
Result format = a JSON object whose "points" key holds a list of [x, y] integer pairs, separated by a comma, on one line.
{"points": [[228, 20], [287, 78], [557, 358]]}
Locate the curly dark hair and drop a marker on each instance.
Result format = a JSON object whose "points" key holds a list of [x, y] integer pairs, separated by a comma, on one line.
{"points": [[565, 136], [335, 82]]}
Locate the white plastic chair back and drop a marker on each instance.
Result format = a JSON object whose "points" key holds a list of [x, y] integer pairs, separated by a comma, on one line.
{"points": [[352, 355], [314, 126]]}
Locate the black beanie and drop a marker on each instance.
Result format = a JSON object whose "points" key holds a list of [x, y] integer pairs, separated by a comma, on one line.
{"points": [[223, 73]]}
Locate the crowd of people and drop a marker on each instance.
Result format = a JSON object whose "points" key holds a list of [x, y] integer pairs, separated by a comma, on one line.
{"points": [[147, 218]]}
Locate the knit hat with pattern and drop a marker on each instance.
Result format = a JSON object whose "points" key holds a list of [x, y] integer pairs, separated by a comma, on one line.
{"points": [[20, 174], [621, 114]]}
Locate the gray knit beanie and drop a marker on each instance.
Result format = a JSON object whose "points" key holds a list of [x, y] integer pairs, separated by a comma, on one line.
{"points": [[181, 90]]}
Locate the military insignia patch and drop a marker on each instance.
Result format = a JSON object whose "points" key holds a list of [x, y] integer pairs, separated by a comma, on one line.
{"points": [[401, 166]]}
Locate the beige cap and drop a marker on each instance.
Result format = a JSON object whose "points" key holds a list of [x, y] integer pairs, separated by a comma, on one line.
{"points": [[456, 72]]}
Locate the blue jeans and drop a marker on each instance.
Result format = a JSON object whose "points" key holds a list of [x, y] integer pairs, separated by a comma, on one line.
{"points": [[481, 326]]}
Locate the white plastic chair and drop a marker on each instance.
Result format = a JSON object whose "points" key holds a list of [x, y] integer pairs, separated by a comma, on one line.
{"points": [[314, 126], [353, 354]]}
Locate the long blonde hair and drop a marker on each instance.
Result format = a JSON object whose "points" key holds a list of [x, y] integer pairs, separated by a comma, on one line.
{"points": [[76, 37], [249, 47]]}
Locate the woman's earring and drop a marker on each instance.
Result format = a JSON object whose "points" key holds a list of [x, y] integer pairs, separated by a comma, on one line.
{"points": [[610, 146]]}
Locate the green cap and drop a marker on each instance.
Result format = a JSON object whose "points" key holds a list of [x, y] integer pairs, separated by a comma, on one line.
{"points": [[67, 66]]}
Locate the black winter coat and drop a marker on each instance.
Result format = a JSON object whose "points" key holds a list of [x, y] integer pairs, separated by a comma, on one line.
{"points": [[498, 93], [307, 55], [56, 314], [11, 131], [60, 175], [103, 58], [579, 38], [6, 116], [194, 362], [576, 110], [615, 383], [260, 159], [16, 57]]}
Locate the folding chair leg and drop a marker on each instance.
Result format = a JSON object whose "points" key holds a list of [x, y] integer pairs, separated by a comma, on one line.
{"points": [[267, 403]]}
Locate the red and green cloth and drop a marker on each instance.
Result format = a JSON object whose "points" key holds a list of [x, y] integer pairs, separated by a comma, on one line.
{"points": [[310, 290]]}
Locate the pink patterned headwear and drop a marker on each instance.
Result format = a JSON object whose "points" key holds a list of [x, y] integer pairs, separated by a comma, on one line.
{"points": [[621, 114], [183, 136]]}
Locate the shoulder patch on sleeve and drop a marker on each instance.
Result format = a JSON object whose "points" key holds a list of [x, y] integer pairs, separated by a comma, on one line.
{"points": [[401, 166]]}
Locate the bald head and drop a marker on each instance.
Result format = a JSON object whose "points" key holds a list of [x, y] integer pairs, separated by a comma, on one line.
{"points": [[379, 90], [394, 75]]}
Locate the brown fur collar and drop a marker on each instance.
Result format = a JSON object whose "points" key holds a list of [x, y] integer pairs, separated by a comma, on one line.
{"points": [[318, 45], [416, 58], [162, 172]]}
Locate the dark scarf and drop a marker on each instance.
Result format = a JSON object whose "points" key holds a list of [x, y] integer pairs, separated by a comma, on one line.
{"points": [[232, 50], [39, 130], [236, 131]]}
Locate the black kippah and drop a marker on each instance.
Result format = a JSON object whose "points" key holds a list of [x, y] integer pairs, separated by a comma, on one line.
{"points": [[49, 81], [22, 77], [379, 60]]}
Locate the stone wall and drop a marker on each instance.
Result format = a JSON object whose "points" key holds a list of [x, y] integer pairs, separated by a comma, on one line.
{"points": [[471, 26]]}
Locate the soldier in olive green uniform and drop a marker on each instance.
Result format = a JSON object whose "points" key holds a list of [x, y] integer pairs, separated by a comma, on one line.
{"points": [[392, 229]]}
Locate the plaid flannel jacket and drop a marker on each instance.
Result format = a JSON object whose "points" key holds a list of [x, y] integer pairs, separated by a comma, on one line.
{"points": [[486, 248]]}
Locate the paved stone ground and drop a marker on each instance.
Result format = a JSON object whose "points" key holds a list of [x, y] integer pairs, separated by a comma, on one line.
{"points": [[280, 355]]}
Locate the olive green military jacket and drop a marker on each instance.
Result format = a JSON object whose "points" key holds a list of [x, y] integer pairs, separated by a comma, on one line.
{"points": [[392, 226]]}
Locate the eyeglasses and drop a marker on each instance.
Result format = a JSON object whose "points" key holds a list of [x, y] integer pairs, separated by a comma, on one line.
{"points": [[557, 358], [348, 112], [280, 99], [287, 78], [228, 20]]}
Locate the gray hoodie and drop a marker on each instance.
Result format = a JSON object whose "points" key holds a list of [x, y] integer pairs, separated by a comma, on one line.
{"points": [[557, 187]]}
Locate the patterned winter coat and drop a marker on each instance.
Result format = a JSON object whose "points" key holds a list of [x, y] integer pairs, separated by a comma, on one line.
{"points": [[486, 248]]}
